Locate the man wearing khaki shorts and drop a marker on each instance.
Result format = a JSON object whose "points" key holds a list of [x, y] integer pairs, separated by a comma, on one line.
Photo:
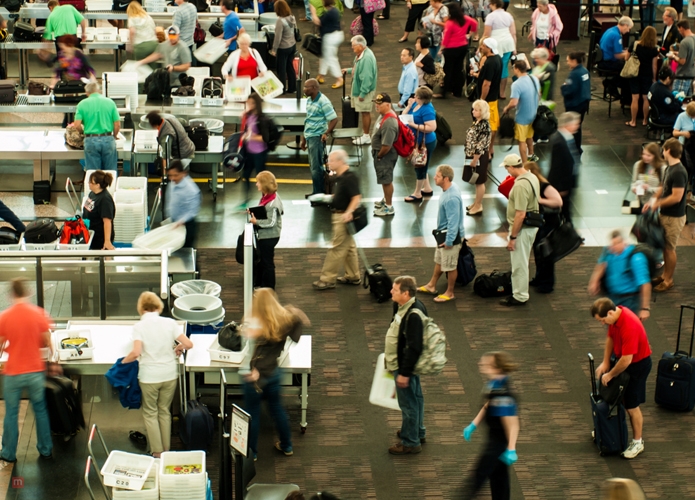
{"points": [[364, 77], [525, 98], [449, 219], [670, 199]]}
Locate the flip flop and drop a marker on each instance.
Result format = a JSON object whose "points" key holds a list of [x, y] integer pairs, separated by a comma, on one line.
{"points": [[413, 199], [443, 298], [630, 125], [423, 289]]}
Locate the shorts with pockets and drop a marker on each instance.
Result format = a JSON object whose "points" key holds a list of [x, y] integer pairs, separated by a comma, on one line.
{"points": [[385, 166], [523, 132], [365, 106], [672, 229], [636, 390], [447, 258]]}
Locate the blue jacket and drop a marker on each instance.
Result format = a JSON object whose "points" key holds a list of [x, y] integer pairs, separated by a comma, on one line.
{"points": [[577, 88], [125, 379]]}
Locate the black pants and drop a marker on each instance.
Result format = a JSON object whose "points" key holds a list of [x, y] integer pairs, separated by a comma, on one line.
{"points": [[191, 233], [453, 69], [285, 68], [582, 109], [414, 16], [386, 13], [490, 467], [566, 200], [367, 26], [253, 162], [264, 271], [544, 280]]}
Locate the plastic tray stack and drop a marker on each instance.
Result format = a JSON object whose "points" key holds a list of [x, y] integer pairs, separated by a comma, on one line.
{"points": [[155, 5], [98, 5], [146, 140], [131, 214], [121, 84], [182, 486]]}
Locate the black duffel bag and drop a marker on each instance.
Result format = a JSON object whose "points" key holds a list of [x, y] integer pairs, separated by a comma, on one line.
{"points": [[229, 337], [495, 284], [200, 136], [648, 229], [312, 44], [9, 236], [41, 231], [69, 92]]}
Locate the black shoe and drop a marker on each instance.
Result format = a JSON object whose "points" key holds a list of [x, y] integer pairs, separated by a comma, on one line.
{"points": [[46, 457], [544, 289], [532, 282], [511, 301]]}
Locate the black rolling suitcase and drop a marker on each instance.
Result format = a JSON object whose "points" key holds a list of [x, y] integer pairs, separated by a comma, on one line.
{"points": [[350, 116], [675, 376], [64, 406], [610, 424], [375, 277]]}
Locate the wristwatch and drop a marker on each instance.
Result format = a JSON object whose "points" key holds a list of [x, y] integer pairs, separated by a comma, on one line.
{"points": [[512, 237]]}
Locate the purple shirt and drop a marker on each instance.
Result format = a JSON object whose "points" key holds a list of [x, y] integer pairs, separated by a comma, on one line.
{"points": [[254, 147]]}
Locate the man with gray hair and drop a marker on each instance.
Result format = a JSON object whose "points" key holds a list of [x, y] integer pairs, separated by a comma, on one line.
{"points": [[364, 77], [99, 118], [614, 54], [565, 158]]}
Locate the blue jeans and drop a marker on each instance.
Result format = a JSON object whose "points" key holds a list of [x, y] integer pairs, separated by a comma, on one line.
{"points": [[307, 10], [413, 409], [35, 385], [270, 389], [421, 173], [647, 15], [315, 150], [100, 153]]}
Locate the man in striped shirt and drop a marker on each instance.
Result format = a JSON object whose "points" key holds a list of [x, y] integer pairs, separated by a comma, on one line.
{"points": [[320, 121], [185, 18]]}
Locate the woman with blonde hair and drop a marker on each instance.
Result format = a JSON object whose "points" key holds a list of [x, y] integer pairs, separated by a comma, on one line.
{"points": [[143, 37], [154, 338], [647, 54], [268, 229], [478, 140], [618, 488], [269, 326], [244, 61]]}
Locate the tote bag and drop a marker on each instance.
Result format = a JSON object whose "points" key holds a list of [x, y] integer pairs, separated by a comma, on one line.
{"points": [[631, 68]]}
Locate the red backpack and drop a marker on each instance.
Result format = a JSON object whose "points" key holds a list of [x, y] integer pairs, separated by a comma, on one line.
{"points": [[405, 142], [74, 232]]}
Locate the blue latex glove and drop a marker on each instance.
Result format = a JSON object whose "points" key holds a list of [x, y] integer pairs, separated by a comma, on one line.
{"points": [[468, 431], [509, 457]]}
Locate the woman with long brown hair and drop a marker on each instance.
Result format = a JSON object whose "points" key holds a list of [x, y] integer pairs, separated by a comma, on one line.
{"points": [[648, 173], [99, 210], [647, 53], [269, 326]]}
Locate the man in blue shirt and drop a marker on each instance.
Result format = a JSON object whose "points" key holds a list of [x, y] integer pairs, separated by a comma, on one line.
{"points": [[614, 54], [625, 272], [182, 201], [232, 25], [409, 77], [319, 123], [449, 219], [525, 98]]}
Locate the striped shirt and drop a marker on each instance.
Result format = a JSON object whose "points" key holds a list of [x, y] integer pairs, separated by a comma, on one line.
{"points": [[318, 113], [185, 17]]}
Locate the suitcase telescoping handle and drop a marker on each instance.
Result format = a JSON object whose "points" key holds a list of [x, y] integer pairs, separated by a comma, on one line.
{"points": [[592, 371], [692, 331]]}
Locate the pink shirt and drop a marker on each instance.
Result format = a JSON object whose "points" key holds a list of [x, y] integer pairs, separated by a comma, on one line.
{"points": [[455, 35]]}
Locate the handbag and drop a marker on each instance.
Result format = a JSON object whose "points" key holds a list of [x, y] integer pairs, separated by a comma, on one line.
{"points": [[356, 27], [631, 68], [506, 186], [648, 229], [312, 44], [436, 78], [216, 29], [370, 6], [239, 253], [74, 231], [359, 219], [38, 88], [560, 242], [229, 337], [470, 174], [533, 219], [418, 157]]}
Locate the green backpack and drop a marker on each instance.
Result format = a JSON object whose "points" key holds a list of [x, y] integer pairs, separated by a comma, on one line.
{"points": [[433, 356]]}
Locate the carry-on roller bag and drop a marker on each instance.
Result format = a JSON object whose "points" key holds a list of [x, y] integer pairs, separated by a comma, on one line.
{"points": [[350, 116], [610, 424], [64, 406], [675, 376], [375, 277]]}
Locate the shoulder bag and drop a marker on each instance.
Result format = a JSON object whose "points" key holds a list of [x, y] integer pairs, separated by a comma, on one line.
{"points": [[533, 219], [418, 158], [631, 68]]}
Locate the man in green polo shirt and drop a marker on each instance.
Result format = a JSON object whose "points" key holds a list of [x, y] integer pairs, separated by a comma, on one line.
{"points": [[63, 20], [99, 118]]}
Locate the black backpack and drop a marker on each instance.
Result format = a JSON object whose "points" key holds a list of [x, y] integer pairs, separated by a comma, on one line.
{"points": [[466, 265], [379, 283], [545, 122], [199, 135], [41, 231], [157, 85], [198, 428], [443, 131], [9, 236], [212, 87], [495, 284], [229, 337], [275, 132], [506, 128], [648, 253], [201, 5]]}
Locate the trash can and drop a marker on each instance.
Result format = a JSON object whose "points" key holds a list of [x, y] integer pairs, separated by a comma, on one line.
{"points": [[214, 126], [189, 287]]}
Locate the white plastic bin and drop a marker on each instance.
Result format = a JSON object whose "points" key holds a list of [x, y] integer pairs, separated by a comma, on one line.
{"points": [[168, 238], [149, 491], [182, 483], [126, 470], [129, 183]]}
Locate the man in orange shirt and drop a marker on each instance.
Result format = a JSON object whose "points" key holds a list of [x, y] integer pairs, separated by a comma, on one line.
{"points": [[26, 327]]}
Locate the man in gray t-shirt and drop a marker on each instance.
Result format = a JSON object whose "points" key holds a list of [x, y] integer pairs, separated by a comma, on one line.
{"points": [[175, 55], [685, 72], [384, 154]]}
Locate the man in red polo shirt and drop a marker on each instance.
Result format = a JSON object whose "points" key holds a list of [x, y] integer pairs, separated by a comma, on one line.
{"points": [[627, 340]]}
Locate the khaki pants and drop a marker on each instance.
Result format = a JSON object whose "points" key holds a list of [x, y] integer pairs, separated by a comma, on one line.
{"points": [[156, 400], [520, 257], [342, 252]]}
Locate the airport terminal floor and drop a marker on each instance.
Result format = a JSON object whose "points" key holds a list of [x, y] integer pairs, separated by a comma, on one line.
{"points": [[345, 448]]}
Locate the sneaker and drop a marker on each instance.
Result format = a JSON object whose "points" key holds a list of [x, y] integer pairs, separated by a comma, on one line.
{"points": [[399, 449], [533, 158], [362, 141], [384, 211], [4, 464], [322, 285], [635, 448], [344, 280], [288, 452], [380, 203], [542, 140]]}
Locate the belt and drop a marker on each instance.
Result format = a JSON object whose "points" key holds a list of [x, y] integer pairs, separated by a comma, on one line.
{"points": [[99, 135], [338, 211]]}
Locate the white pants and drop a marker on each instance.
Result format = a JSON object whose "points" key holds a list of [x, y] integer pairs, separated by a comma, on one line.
{"points": [[520, 257], [329, 64]]}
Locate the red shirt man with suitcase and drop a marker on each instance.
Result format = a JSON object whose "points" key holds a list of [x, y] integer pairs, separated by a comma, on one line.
{"points": [[627, 340], [26, 327]]}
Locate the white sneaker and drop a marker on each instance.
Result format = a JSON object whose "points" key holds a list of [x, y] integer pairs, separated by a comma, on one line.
{"points": [[380, 203], [384, 211], [5, 464], [362, 141], [635, 448]]}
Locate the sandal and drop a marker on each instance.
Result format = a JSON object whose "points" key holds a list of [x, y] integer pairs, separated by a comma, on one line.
{"points": [[321, 80], [382, 18], [413, 199], [443, 298], [630, 125], [337, 85], [424, 289]]}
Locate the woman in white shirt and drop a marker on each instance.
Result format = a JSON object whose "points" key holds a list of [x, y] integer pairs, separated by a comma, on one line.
{"points": [[143, 38], [499, 24], [546, 26], [153, 344]]}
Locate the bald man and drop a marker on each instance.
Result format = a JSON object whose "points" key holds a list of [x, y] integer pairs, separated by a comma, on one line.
{"points": [[321, 119]]}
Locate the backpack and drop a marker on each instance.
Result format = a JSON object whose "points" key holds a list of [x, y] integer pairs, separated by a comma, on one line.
{"points": [[545, 122], [157, 85], [275, 132], [443, 131], [197, 428], [229, 337], [379, 283], [433, 356], [212, 87], [198, 35], [41, 231], [495, 284], [74, 231], [649, 254], [466, 265], [405, 142], [506, 128]]}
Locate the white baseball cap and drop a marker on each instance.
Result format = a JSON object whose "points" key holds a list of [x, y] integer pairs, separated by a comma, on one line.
{"points": [[491, 43]]}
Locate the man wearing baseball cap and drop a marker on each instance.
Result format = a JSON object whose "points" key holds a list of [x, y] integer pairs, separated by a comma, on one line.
{"points": [[523, 199], [489, 77], [383, 152], [176, 56]]}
